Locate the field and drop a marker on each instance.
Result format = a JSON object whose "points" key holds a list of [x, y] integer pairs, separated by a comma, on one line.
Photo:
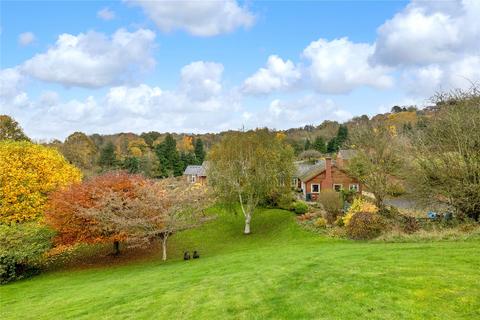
{"points": [[278, 272]]}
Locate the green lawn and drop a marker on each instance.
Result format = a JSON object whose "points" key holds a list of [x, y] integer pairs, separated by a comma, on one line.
{"points": [[279, 272]]}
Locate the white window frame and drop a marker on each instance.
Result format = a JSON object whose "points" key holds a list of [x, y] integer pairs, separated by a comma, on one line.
{"points": [[337, 184], [295, 182], [357, 187], [311, 188], [193, 178]]}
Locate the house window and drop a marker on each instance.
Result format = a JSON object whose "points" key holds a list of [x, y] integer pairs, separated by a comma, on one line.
{"points": [[337, 187], [354, 187], [193, 178], [294, 182], [315, 188]]}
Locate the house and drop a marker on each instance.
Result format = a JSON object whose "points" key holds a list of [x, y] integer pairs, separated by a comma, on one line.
{"points": [[325, 174], [196, 174]]}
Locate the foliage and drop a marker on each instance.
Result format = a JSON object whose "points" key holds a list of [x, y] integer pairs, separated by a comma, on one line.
{"points": [[310, 155], [364, 226], [28, 173], [320, 145], [199, 151], [300, 207], [246, 167], [320, 223], [11, 130], [108, 158], [21, 249], [79, 150], [359, 205], [332, 203], [131, 164], [169, 158], [377, 160], [446, 160]]}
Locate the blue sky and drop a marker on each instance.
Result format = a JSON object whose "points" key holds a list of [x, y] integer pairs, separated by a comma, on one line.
{"points": [[198, 66]]}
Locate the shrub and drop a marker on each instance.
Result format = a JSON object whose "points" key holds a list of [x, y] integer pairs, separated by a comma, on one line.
{"points": [[339, 222], [396, 189], [320, 223], [332, 203], [359, 205], [365, 226], [410, 225], [21, 249], [300, 207]]}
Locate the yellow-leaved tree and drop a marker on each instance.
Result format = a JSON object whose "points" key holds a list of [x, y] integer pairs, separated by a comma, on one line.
{"points": [[28, 173]]}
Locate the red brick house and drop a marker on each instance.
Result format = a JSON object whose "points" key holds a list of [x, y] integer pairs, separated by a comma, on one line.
{"points": [[325, 174]]}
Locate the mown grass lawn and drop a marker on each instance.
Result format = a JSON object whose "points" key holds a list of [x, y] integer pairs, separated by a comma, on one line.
{"points": [[279, 272]]}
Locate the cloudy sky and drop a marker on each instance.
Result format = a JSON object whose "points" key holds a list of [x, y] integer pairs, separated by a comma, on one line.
{"points": [[207, 66]]}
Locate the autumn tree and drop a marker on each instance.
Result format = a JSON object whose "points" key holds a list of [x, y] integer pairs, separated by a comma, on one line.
{"points": [[28, 173], [445, 164], [11, 130], [246, 167], [377, 160], [79, 150], [69, 210]]}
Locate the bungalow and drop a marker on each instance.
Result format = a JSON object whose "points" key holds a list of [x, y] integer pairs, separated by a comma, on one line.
{"points": [[196, 174], [325, 174]]}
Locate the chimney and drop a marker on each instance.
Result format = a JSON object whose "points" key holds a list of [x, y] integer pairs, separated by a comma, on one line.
{"points": [[328, 168]]}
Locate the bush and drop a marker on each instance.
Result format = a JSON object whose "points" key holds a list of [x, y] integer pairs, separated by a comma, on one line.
{"points": [[339, 222], [300, 207], [359, 205], [365, 226], [396, 189], [332, 203], [21, 249], [410, 225], [320, 223]]}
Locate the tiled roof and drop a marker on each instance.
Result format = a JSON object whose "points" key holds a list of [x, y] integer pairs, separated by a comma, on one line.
{"points": [[307, 170]]}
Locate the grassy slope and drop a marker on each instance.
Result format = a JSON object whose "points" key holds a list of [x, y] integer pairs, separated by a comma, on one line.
{"points": [[278, 272]]}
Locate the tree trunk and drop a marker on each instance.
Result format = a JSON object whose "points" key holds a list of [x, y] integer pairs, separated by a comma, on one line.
{"points": [[116, 248], [164, 246], [248, 218]]}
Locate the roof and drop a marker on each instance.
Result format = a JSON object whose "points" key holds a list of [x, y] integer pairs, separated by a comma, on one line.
{"points": [[196, 170], [347, 154], [306, 171]]}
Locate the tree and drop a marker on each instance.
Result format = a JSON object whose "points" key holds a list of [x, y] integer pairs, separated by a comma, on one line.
{"points": [[342, 136], [319, 144], [169, 158], [79, 150], [131, 164], [71, 211], [28, 173], [108, 159], [199, 151], [445, 164], [332, 145], [11, 130], [377, 160], [120, 207], [246, 167], [310, 155], [307, 145]]}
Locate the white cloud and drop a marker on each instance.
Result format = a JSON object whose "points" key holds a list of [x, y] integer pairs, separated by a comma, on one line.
{"points": [[106, 14], [339, 66], [429, 32], [26, 38], [11, 81], [199, 18], [277, 75], [94, 60], [201, 80]]}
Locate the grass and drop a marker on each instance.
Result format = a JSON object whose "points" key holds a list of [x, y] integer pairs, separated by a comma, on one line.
{"points": [[279, 272]]}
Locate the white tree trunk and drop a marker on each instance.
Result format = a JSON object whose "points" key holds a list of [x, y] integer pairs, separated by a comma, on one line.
{"points": [[248, 218], [164, 247]]}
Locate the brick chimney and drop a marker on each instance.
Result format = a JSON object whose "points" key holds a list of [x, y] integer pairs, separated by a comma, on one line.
{"points": [[328, 182]]}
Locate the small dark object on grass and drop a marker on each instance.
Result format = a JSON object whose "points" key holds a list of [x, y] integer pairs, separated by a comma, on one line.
{"points": [[195, 255], [186, 256]]}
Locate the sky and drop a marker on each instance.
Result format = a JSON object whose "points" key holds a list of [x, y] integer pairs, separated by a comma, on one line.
{"points": [[208, 66]]}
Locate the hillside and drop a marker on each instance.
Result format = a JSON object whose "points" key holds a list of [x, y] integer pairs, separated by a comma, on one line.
{"points": [[280, 271]]}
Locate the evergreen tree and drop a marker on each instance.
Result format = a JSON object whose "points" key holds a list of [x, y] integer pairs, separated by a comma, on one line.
{"points": [[107, 158], [319, 144], [199, 151], [342, 135], [131, 164], [332, 145], [307, 145], [170, 163]]}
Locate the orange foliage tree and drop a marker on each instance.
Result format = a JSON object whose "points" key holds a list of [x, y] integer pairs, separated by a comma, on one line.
{"points": [[119, 207]]}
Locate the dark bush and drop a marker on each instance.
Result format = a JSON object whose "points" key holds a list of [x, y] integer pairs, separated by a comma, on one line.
{"points": [[7, 269], [410, 224], [365, 226]]}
